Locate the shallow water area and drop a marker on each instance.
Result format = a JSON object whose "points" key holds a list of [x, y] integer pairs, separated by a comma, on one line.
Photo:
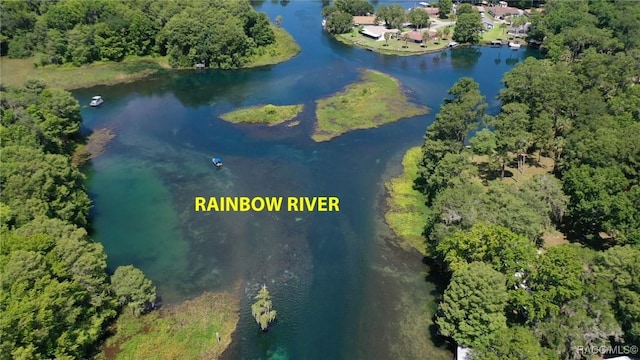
{"points": [[341, 289]]}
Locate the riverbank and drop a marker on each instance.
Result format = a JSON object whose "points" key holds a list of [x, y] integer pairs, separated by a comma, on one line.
{"points": [[375, 99], [196, 329], [282, 50], [69, 77], [406, 211]]}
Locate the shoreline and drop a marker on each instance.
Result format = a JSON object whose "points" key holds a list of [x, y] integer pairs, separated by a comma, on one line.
{"points": [[69, 77], [391, 52]]}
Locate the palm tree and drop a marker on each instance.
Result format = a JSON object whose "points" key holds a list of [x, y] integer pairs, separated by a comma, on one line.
{"points": [[425, 37], [261, 309], [446, 31], [387, 36]]}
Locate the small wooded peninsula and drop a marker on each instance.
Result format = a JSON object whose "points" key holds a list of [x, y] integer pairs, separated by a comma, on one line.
{"points": [[144, 38]]}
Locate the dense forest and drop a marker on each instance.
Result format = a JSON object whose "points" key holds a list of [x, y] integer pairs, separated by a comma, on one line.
{"points": [[513, 295], [220, 33], [57, 298]]}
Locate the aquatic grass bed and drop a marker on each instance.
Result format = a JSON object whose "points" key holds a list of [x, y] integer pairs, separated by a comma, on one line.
{"points": [[263, 114], [375, 99], [406, 209], [16, 71], [185, 331]]}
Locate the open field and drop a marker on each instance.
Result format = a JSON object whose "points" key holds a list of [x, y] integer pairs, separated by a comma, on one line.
{"points": [[374, 100], [185, 331], [14, 72], [263, 114], [406, 212]]}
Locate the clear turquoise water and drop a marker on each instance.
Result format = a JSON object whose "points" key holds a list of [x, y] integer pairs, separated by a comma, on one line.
{"points": [[342, 290]]}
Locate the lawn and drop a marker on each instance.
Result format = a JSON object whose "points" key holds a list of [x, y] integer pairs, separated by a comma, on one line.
{"points": [[185, 331], [375, 99], [406, 212], [282, 50], [263, 114], [393, 46], [496, 33]]}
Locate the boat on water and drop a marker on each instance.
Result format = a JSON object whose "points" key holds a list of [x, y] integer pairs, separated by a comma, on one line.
{"points": [[452, 44], [514, 45], [96, 101], [217, 162]]}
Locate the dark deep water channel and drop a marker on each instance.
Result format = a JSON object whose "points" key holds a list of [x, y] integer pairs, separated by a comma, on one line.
{"points": [[342, 290]]}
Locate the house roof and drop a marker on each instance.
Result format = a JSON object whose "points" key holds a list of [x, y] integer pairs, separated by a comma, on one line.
{"points": [[415, 35], [431, 10], [501, 11], [376, 31], [364, 20]]}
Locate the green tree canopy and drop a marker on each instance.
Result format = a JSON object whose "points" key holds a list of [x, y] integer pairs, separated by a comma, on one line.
{"points": [[133, 289], [468, 28], [445, 8], [493, 244], [339, 22], [472, 310], [262, 309], [513, 343]]}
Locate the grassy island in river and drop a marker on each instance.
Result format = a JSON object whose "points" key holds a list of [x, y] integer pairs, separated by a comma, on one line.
{"points": [[376, 99], [263, 114]]}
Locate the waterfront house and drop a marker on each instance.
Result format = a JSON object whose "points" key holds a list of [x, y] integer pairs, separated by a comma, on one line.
{"points": [[502, 12]]}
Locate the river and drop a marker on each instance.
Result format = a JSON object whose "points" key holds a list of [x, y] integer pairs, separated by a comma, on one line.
{"points": [[341, 289]]}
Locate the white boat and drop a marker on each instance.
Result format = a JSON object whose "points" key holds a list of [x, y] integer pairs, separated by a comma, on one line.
{"points": [[453, 44], [96, 101], [514, 45]]}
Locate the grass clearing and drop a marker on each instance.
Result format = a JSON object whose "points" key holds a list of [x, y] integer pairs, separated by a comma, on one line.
{"points": [[282, 50], [534, 166], [263, 114], [496, 33], [406, 211], [375, 99], [554, 238], [16, 71], [185, 331]]}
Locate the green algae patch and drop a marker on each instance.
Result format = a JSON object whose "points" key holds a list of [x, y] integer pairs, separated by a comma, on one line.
{"points": [[263, 114], [196, 329], [406, 211], [375, 99]]}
